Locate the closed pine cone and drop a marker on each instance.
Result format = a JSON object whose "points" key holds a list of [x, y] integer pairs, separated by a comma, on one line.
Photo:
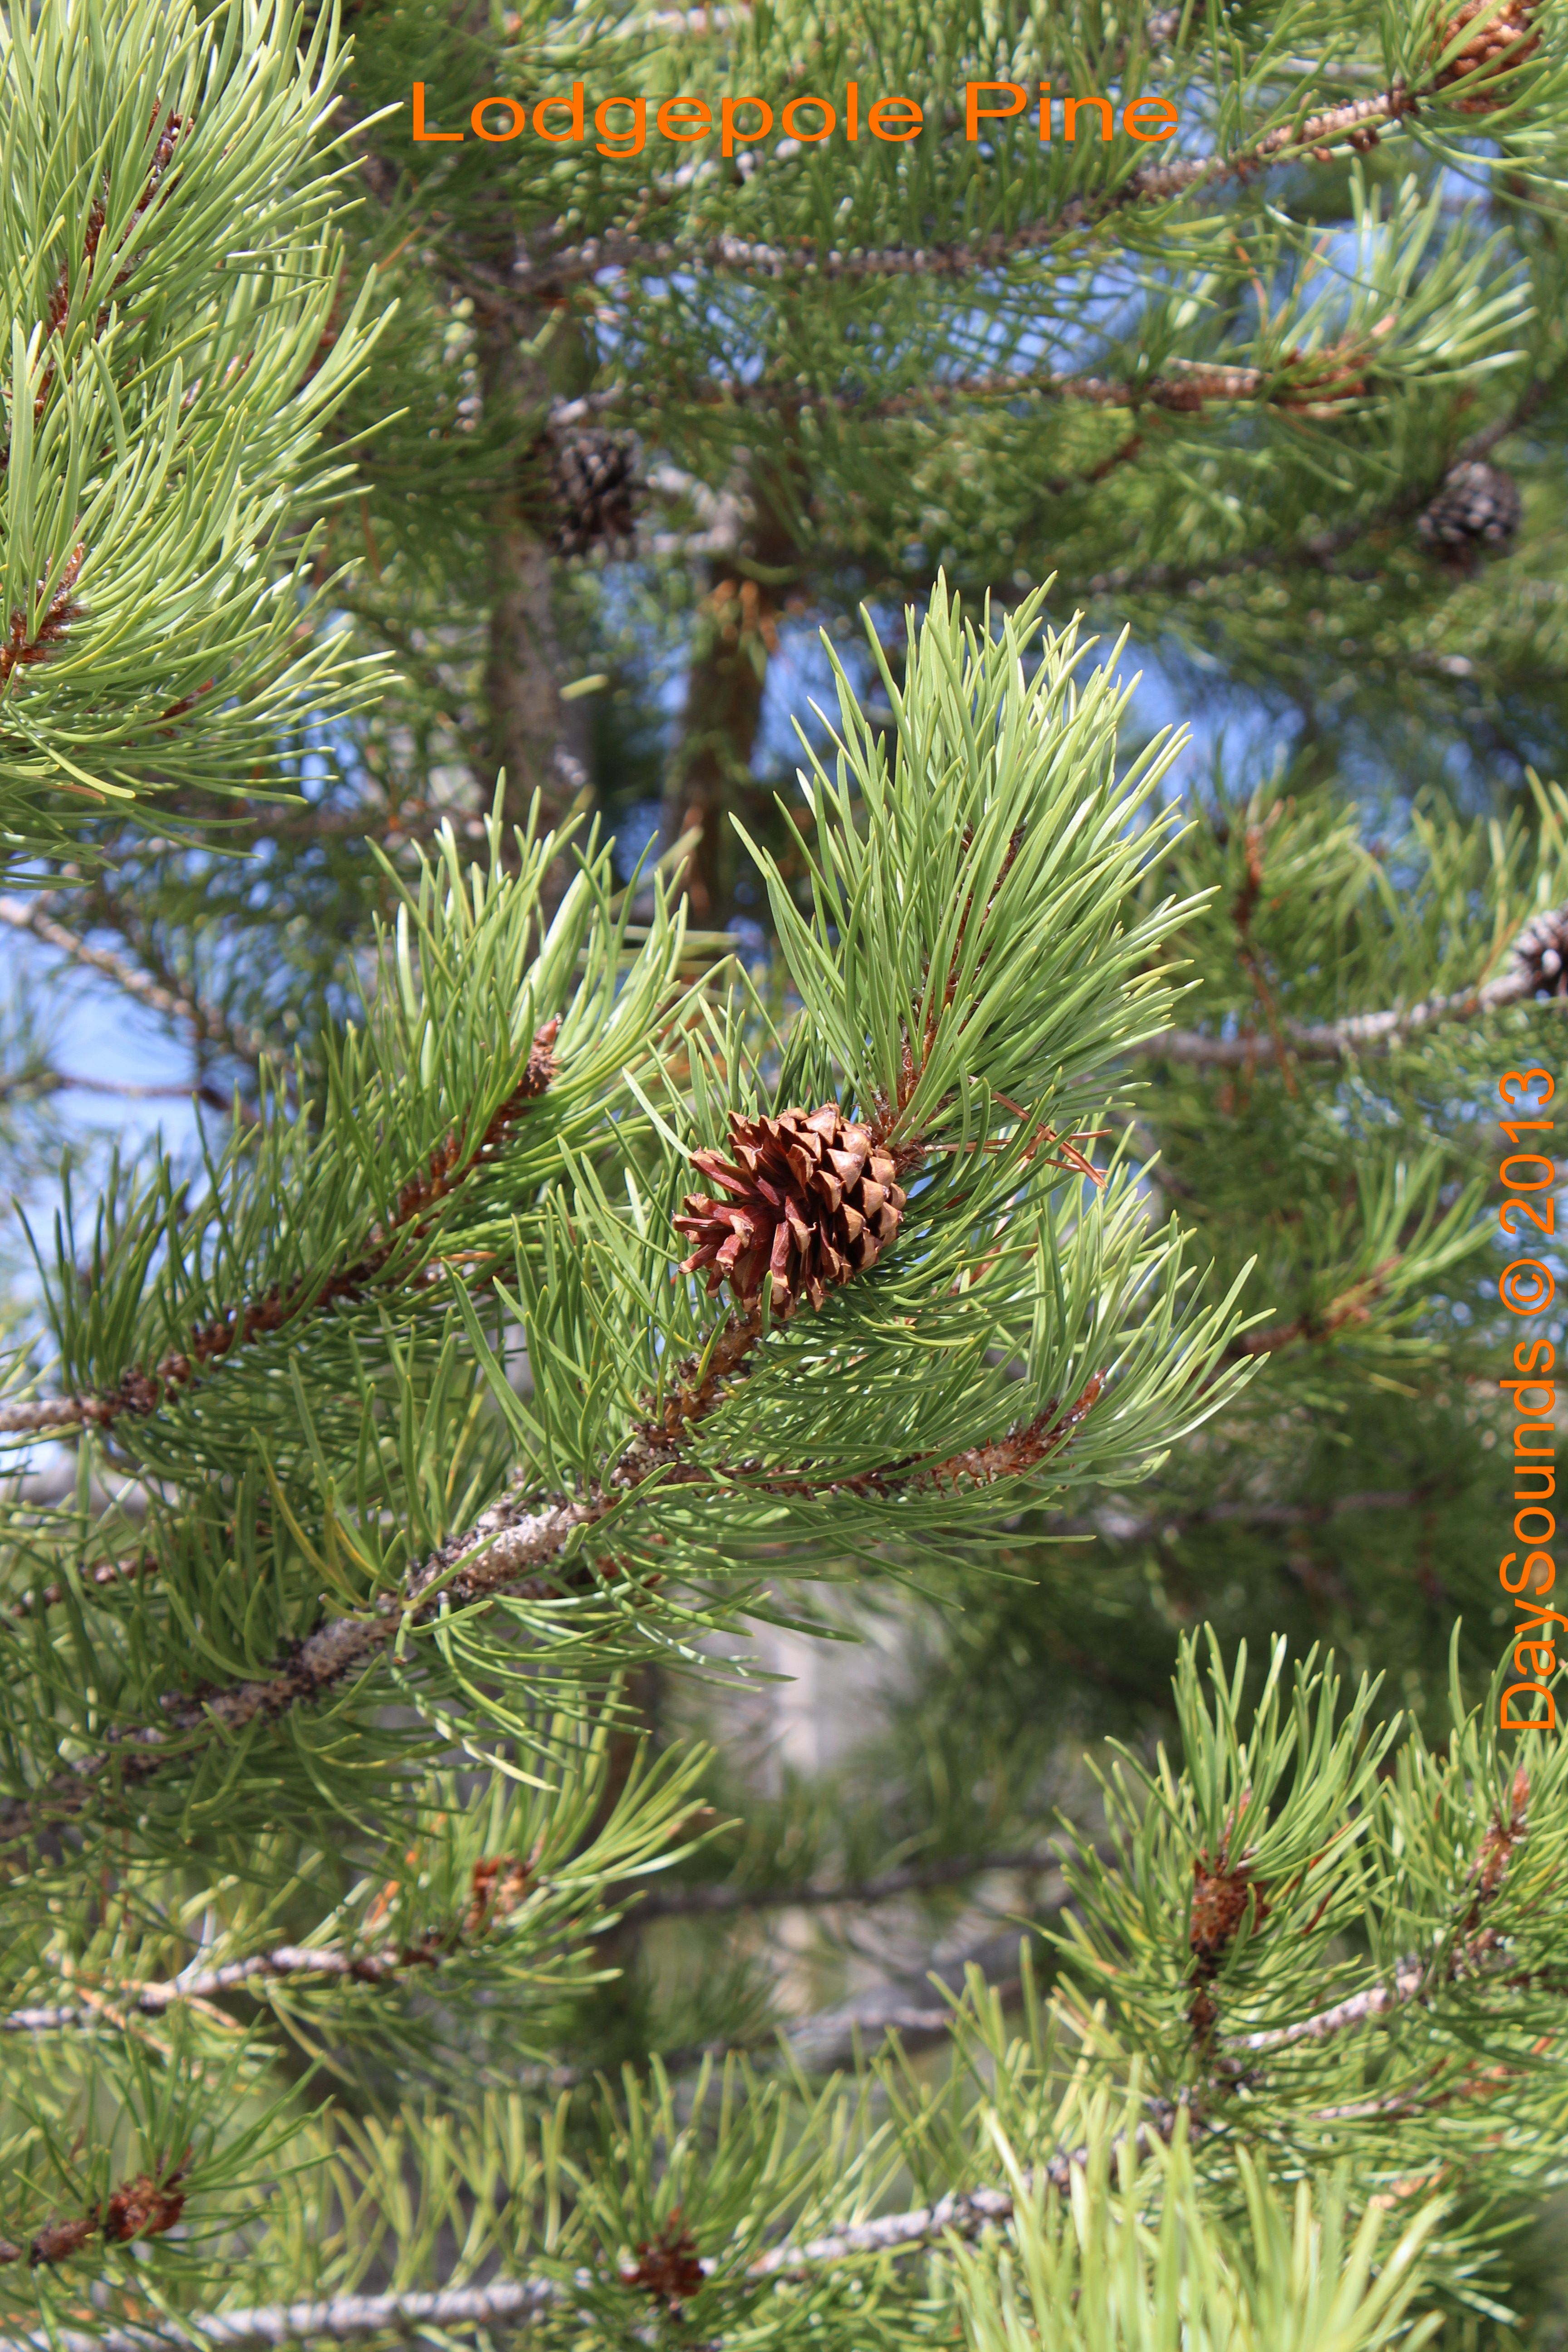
{"points": [[1506, 37], [813, 1202]]}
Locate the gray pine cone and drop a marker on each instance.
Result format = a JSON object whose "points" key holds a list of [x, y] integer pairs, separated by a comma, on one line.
{"points": [[1477, 505], [594, 477], [1540, 953]]}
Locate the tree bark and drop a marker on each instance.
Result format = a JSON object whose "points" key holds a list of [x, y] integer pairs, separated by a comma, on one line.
{"points": [[529, 731], [737, 635]]}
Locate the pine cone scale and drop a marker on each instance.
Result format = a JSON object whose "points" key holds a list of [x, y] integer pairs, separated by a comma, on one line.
{"points": [[1501, 38]]}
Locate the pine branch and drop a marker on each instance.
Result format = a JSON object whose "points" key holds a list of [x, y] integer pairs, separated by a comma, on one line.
{"points": [[1312, 383], [140, 2208], [502, 1553], [285, 1964], [511, 2302], [33, 1420], [1350, 1305], [497, 1891], [35, 1083], [1319, 548], [1471, 1951], [238, 1038], [695, 1902], [914, 1878], [1360, 1033], [961, 2213], [23, 647], [150, 2208], [499, 1553], [542, 271], [1012, 1456], [451, 1165], [515, 2302], [1410, 1979]]}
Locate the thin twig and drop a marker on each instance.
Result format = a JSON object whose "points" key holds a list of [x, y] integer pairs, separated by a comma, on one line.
{"points": [[1360, 2009], [285, 1963], [343, 2319], [238, 1038], [914, 1878], [508, 1550], [1295, 387], [681, 1902], [1318, 550], [54, 1082]]}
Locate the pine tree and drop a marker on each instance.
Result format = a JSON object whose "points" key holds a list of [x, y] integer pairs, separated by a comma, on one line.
{"points": [[331, 1723], [1260, 393], [568, 1304]]}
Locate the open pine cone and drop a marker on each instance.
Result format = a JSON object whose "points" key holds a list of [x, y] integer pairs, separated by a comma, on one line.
{"points": [[1506, 38], [813, 1202], [1540, 953], [1477, 505]]}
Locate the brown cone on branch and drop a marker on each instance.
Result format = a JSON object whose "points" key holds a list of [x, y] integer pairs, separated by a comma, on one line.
{"points": [[594, 477], [812, 1200], [1503, 37], [1479, 506]]}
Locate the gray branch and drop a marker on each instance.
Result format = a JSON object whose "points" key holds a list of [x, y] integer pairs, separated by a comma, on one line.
{"points": [[246, 1043], [343, 2319], [516, 2302], [963, 2214], [282, 1963], [496, 1555], [914, 1878], [1360, 2009], [1358, 1032]]}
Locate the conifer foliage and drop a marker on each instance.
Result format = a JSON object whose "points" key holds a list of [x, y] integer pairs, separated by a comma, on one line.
{"points": [[336, 1734], [1262, 388], [170, 269]]}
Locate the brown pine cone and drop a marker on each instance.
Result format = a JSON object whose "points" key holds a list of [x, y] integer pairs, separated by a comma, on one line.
{"points": [[813, 1202], [1507, 38], [668, 2266]]}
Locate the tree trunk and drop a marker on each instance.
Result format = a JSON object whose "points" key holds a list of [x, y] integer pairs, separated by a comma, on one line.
{"points": [[529, 731], [737, 632]]}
